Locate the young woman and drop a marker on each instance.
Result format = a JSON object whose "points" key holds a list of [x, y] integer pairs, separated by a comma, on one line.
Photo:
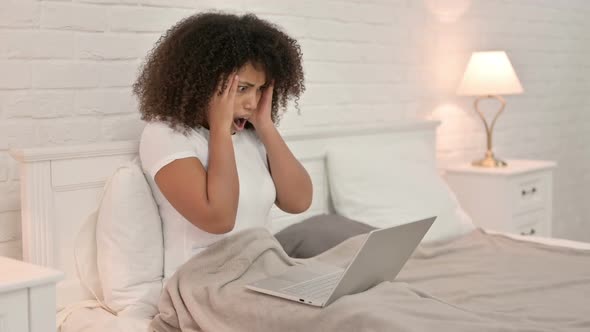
{"points": [[211, 91]]}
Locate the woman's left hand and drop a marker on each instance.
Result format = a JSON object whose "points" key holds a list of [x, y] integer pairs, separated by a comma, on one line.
{"points": [[262, 117]]}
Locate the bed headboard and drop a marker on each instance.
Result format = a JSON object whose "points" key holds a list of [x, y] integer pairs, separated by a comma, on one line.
{"points": [[60, 186]]}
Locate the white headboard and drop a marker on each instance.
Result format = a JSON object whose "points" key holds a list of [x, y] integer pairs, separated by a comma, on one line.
{"points": [[60, 186]]}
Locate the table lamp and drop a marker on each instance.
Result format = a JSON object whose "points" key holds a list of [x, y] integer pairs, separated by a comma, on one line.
{"points": [[489, 75]]}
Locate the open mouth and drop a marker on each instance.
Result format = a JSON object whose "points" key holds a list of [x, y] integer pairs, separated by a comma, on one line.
{"points": [[240, 123]]}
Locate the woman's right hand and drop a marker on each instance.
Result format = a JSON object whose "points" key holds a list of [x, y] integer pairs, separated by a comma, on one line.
{"points": [[221, 106]]}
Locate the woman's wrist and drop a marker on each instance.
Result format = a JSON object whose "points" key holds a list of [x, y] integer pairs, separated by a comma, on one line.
{"points": [[220, 129], [264, 127]]}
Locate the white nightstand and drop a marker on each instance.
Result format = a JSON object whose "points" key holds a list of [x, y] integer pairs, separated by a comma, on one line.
{"points": [[27, 297], [514, 199]]}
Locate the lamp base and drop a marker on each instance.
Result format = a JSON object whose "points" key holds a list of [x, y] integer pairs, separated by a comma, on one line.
{"points": [[489, 161]]}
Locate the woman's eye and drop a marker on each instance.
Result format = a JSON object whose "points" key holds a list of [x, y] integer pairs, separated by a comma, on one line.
{"points": [[242, 88]]}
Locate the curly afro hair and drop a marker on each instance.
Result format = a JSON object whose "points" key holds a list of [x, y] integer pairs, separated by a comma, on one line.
{"points": [[187, 64]]}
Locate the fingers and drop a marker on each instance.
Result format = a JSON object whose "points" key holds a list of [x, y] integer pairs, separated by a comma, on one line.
{"points": [[220, 90], [231, 79], [268, 91], [233, 87]]}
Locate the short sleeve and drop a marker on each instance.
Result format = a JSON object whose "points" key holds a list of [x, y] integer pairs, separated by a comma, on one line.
{"points": [[160, 145]]}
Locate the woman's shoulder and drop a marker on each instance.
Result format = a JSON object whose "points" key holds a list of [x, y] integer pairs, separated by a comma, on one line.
{"points": [[155, 129], [160, 136], [160, 130]]}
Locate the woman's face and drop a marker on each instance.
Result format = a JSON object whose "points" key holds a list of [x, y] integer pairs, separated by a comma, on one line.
{"points": [[249, 91]]}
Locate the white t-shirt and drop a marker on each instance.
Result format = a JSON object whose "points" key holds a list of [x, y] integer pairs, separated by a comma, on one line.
{"points": [[160, 145]]}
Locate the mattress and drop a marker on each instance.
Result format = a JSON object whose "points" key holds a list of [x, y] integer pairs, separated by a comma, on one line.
{"points": [[89, 317]]}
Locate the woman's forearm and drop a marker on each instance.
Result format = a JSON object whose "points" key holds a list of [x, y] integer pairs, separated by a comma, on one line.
{"points": [[222, 180], [293, 184]]}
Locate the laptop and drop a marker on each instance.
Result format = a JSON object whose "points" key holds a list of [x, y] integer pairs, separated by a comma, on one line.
{"points": [[381, 256]]}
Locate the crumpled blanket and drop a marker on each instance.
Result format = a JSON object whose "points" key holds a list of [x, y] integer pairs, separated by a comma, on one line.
{"points": [[479, 282]]}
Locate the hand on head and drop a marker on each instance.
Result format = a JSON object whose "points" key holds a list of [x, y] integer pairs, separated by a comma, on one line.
{"points": [[262, 115], [221, 107]]}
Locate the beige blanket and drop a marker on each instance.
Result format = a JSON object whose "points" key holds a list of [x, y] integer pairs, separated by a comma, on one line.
{"points": [[479, 282]]}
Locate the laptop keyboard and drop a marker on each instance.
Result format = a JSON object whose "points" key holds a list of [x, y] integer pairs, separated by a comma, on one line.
{"points": [[316, 288]]}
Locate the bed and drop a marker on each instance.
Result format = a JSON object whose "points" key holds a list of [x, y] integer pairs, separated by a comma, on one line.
{"points": [[61, 188]]}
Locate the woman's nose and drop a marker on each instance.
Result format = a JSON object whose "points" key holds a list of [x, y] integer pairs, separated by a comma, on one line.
{"points": [[251, 101]]}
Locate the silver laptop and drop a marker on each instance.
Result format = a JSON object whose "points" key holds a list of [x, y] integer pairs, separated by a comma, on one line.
{"points": [[382, 255]]}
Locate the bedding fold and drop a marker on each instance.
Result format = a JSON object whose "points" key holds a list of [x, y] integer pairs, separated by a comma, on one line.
{"points": [[479, 282]]}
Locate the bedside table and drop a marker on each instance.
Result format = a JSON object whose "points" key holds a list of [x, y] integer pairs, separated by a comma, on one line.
{"points": [[27, 296], [515, 199]]}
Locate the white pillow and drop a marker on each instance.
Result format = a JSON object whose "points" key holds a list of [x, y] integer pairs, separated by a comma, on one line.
{"points": [[389, 185], [88, 285], [130, 252]]}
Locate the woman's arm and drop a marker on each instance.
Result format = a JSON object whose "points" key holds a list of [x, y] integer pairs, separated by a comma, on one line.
{"points": [[293, 184], [207, 198]]}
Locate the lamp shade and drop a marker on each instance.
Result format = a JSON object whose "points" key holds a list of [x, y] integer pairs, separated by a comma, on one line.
{"points": [[489, 73]]}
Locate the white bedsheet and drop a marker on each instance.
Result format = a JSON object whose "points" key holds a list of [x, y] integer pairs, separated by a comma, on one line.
{"points": [[547, 240], [98, 320]]}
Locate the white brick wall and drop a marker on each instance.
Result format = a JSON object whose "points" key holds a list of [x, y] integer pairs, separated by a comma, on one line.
{"points": [[67, 67]]}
